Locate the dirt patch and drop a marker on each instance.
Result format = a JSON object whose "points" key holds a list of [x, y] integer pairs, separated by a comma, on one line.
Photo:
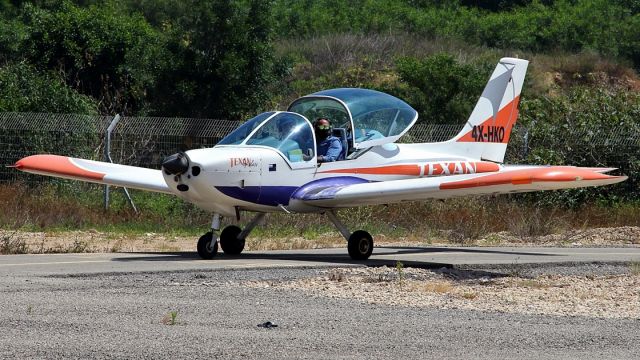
{"points": [[601, 296], [616, 236]]}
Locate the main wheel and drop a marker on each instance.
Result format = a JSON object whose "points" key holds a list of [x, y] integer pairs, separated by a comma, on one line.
{"points": [[229, 241], [207, 246], [360, 245]]}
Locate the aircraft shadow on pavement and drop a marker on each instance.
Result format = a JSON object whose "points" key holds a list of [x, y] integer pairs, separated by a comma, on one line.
{"points": [[335, 258]]}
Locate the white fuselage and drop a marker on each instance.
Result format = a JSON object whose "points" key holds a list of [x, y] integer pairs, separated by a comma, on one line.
{"points": [[258, 178]]}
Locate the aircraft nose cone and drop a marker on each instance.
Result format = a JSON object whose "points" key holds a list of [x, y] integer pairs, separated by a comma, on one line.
{"points": [[176, 164]]}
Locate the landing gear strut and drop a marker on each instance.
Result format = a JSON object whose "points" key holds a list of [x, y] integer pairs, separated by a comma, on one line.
{"points": [[359, 243], [232, 238], [208, 243]]}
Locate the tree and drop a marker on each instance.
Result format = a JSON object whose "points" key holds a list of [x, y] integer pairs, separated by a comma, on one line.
{"points": [[220, 61], [98, 51], [24, 89], [441, 89]]}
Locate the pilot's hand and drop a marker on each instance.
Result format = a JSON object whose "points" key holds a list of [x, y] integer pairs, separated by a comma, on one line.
{"points": [[320, 158]]}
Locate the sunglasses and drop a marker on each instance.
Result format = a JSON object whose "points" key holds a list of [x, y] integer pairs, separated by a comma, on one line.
{"points": [[323, 127]]}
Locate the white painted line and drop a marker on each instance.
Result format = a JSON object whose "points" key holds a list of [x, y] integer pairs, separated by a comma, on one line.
{"points": [[57, 263]]}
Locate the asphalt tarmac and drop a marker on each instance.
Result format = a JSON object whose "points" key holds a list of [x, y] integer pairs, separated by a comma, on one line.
{"points": [[120, 306], [423, 257]]}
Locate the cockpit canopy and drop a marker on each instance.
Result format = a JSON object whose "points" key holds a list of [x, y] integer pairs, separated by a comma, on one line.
{"points": [[375, 117], [361, 118], [289, 133]]}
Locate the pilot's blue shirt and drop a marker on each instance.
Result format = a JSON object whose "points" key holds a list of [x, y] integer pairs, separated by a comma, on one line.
{"points": [[329, 149]]}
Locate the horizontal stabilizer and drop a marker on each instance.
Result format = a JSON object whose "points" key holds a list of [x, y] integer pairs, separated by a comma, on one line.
{"points": [[95, 172]]}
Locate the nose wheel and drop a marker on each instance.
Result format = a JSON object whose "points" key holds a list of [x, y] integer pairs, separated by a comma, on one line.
{"points": [[207, 246], [232, 238]]}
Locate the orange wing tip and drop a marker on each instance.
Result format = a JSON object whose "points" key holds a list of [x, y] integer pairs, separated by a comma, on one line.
{"points": [[599, 170], [56, 165], [528, 176]]}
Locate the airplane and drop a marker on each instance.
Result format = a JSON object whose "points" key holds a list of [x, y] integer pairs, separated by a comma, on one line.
{"points": [[269, 163]]}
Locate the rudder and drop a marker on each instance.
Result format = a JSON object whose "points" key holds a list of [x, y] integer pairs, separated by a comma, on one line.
{"points": [[486, 133]]}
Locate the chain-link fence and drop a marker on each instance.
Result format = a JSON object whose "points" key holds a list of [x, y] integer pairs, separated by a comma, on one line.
{"points": [[145, 141]]}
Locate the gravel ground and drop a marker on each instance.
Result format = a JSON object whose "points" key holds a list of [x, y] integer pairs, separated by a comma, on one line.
{"points": [[596, 290], [217, 313]]}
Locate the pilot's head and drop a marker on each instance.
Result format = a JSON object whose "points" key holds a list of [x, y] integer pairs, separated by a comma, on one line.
{"points": [[322, 127]]}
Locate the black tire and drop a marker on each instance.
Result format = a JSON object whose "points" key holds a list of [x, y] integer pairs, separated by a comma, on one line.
{"points": [[360, 245], [207, 246], [229, 241]]}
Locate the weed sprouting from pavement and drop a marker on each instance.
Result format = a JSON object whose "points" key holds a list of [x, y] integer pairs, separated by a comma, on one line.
{"points": [[29, 309], [170, 318], [634, 267]]}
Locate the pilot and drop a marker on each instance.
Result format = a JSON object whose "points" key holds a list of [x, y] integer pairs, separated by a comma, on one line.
{"points": [[329, 146]]}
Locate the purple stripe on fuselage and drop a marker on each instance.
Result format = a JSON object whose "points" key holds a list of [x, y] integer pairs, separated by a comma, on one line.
{"points": [[263, 195], [325, 188]]}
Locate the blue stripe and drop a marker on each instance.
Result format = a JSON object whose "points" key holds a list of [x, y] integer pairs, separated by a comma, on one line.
{"points": [[263, 195], [325, 188]]}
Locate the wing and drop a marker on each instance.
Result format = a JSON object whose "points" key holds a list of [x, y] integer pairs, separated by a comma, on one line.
{"points": [[94, 171], [347, 193]]}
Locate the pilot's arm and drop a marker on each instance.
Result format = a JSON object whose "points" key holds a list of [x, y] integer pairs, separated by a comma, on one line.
{"points": [[333, 152]]}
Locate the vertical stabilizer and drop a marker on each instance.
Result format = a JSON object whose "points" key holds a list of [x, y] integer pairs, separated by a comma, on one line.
{"points": [[488, 129]]}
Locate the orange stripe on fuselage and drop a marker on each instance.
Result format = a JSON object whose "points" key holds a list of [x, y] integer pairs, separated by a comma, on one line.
{"points": [[54, 164], [411, 170], [459, 167], [527, 176]]}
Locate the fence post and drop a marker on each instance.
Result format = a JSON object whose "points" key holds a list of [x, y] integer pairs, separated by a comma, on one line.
{"points": [[107, 154], [525, 148]]}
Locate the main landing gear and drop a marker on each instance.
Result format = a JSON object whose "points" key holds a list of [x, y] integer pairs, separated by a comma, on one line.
{"points": [[359, 243], [232, 238]]}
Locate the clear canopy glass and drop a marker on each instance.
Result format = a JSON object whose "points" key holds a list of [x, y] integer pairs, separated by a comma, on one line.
{"points": [[238, 135], [375, 117], [287, 132]]}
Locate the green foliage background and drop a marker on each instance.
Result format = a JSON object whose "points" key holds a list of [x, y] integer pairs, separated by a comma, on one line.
{"points": [[234, 58]]}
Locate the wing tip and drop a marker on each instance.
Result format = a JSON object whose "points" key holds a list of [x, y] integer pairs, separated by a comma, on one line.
{"points": [[56, 165]]}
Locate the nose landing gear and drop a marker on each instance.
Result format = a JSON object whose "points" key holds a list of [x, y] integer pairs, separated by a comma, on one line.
{"points": [[208, 246], [232, 238]]}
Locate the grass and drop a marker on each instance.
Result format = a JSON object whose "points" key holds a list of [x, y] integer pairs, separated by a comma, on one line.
{"points": [[458, 221], [171, 318], [11, 244], [470, 295], [438, 287], [634, 268]]}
